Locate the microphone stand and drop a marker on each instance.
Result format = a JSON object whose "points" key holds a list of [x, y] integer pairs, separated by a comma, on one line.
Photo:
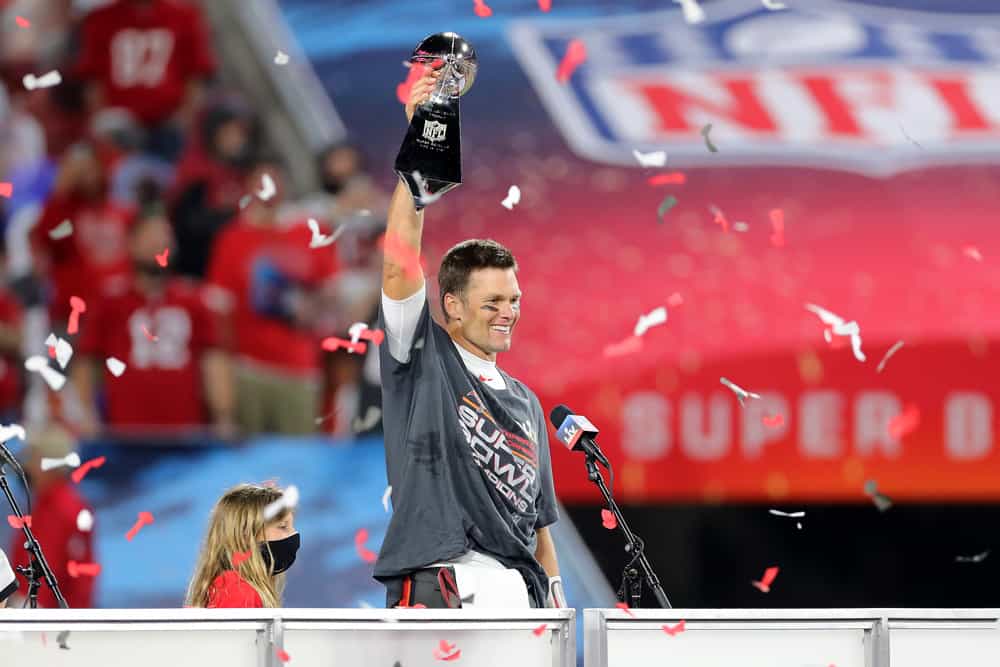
{"points": [[631, 581], [39, 568]]}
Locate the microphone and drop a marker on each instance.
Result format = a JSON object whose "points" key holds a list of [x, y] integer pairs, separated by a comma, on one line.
{"points": [[577, 433]]}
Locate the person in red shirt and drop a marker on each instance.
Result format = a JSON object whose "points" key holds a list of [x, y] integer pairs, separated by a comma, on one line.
{"points": [[243, 560], [150, 57], [79, 263], [177, 376], [56, 504], [274, 284]]}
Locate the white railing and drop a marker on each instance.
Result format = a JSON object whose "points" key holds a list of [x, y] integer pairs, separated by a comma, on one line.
{"points": [[793, 637], [310, 637]]}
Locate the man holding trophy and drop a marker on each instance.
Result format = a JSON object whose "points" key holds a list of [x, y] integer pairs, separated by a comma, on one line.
{"points": [[466, 444]]}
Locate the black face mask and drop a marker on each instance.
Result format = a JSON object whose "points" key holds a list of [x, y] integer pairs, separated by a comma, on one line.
{"points": [[283, 550]]}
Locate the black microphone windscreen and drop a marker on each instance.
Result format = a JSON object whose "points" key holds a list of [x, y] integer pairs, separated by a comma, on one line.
{"points": [[559, 414]]}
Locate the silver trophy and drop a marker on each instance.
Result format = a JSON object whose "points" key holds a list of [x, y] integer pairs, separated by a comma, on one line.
{"points": [[430, 159]]}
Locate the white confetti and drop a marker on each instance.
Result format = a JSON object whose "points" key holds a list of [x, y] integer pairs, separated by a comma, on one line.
{"points": [[773, 5], [892, 350], [71, 460], [12, 431], [654, 159], [656, 316], [39, 364], [791, 515], [355, 331], [289, 499], [740, 226], [513, 198], [64, 352], [839, 327], [741, 393], [693, 13], [319, 239], [372, 415], [115, 366], [280, 58], [84, 521], [267, 187], [47, 80], [385, 497], [978, 558], [63, 230], [972, 252]]}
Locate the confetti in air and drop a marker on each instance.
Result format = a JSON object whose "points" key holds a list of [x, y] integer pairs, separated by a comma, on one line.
{"points": [[332, 344], [84, 521], [71, 460], [882, 501], [47, 80], [267, 187], [655, 317], [386, 496], [773, 5], [839, 327], [608, 519], [718, 217], [115, 366], [19, 522], [545, 5], [319, 239], [741, 394], [52, 377], [675, 300], [654, 159], [773, 421], [415, 73], [282, 655], [482, 9], [576, 55], [364, 552], [513, 198], [978, 558], [446, 651], [972, 252], [740, 227], [12, 431], [81, 472], [149, 334], [671, 178], [630, 345], [288, 500], [77, 307], [240, 557], [6, 189], [905, 422], [708, 141], [145, 518], [674, 630], [426, 196], [693, 13], [59, 349], [624, 607], [83, 569], [668, 203], [540, 629], [790, 515], [61, 231], [764, 585], [280, 58], [22, 22], [368, 422], [163, 257]]}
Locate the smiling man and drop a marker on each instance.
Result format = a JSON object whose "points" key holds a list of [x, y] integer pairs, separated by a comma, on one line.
{"points": [[466, 445]]}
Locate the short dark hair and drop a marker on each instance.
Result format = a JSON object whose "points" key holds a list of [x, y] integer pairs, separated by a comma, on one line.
{"points": [[464, 258]]}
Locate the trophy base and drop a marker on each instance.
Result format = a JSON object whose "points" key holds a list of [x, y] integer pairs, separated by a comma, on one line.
{"points": [[430, 159], [426, 190]]}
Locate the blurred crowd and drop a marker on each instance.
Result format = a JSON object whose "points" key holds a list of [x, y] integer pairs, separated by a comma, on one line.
{"points": [[145, 198]]}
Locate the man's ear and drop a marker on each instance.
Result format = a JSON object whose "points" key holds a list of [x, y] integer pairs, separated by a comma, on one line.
{"points": [[452, 307]]}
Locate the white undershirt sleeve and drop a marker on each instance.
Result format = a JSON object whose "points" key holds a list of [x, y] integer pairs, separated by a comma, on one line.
{"points": [[401, 319]]}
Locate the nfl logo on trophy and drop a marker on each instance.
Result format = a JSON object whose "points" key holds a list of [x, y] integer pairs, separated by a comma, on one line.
{"points": [[434, 131]]}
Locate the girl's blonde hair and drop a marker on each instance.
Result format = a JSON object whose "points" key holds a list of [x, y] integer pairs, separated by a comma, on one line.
{"points": [[237, 525]]}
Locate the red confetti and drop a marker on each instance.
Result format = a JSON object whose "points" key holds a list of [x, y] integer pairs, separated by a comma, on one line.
{"points": [[719, 218], [17, 523], [540, 629], [446, 651], [82, 471], [608, 519], [415, 74], [773, 421], [545, 5], [22, 22], [375, 336], [482, 9], [624, 607], [52, 351], [366, 554], [77, 306], [675, 300], [77, 570], [161, 259], [240, 557], [904, 423], [972, 252], [332, 344], [483, 378], [836, 341], [576, 55], [630, 345], [144, 519], [778, 225], [402, 254], [282, 654], [676, 630], [149, 334], [6, 189], [764, 585], [671, 178]]}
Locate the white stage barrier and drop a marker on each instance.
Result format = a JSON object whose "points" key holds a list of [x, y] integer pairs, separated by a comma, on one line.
{"points": [[793, 637], [310, 637]]}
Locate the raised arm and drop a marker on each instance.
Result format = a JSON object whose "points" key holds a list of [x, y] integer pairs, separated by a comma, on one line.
{"points": [[401, 273]]}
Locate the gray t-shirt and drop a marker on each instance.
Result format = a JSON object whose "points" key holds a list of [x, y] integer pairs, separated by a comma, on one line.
{"points": [[468, 464]]}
